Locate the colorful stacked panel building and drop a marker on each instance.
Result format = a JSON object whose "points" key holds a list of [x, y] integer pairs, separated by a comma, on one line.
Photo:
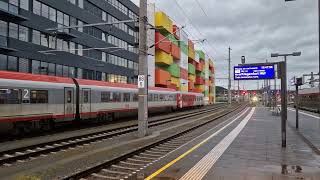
{"points": [[177, 63]]}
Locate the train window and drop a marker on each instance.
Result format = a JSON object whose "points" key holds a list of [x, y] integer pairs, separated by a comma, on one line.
{"points": [[161, 97], [38, 96], [85, 96], [10, 96], [156, 97], [116, 97], [150, 97], [135, 97], [105, 96], [126, 97], [69, 96]]}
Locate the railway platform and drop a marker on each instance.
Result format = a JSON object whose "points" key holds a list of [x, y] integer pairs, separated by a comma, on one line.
{"points": [[309, 126], [247, 146]]}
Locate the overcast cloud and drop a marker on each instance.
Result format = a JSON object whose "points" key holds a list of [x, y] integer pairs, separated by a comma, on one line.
{"points": [[254, 28]]}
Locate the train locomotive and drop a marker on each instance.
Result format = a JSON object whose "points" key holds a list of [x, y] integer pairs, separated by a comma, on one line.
{"points": [[29, 101], [309, 99]]}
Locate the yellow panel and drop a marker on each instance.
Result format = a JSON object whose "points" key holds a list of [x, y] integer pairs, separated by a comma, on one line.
{"points": [[163, 58], [163, 21], [192, 78], [175, 81], [191, 53]]}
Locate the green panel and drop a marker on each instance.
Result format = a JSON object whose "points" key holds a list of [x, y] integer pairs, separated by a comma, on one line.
{"points": [[184, 47], [191, 69], [174, 70], [206, 93], [173, 39], [201, 55]]}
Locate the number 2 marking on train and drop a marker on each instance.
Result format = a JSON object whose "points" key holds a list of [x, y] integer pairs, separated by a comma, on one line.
{"points": [[26, 94]]}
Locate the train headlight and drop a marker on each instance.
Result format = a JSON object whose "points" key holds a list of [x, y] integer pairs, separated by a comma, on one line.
{"points": [[255, 99]]}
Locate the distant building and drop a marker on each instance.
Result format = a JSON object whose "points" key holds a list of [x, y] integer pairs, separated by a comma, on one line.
{"points": [[23, 34]]}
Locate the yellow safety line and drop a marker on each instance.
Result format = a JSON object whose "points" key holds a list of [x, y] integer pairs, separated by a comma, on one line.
{"points": [[186, 153]]}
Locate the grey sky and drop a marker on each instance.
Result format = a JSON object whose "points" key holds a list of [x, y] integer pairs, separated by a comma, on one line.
{"points": [[253, 28]]}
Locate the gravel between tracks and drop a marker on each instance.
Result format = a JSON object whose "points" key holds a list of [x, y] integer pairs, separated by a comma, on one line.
{"points": [[62, 163], [4, 146]]}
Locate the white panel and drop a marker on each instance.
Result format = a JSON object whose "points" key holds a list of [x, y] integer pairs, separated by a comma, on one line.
{"points": [[184, 61], [197, 58]]}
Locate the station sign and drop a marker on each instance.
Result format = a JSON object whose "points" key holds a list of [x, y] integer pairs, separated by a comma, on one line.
{"points": [[254, 72]]}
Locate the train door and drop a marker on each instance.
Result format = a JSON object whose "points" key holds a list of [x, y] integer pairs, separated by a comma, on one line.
{"points": [[85, 103], [68, 103]]}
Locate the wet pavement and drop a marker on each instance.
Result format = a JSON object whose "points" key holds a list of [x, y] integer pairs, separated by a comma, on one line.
{"points": [[309, 125], [245, 151]]}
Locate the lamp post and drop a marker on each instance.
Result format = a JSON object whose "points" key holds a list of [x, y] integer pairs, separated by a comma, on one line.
{"points": [[283, 75]]}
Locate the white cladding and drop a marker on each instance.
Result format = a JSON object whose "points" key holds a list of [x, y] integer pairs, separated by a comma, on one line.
{"points": [[150, 42], [184, 57]]}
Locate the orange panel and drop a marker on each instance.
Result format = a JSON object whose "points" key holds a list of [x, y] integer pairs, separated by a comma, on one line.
{"points": [[176, 31], [163, 43], [191, 44], [175, 52], [183, 74], [162, 77]]}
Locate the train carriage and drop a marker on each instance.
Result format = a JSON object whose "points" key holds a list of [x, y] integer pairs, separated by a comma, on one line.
{"points": [[309, 99], [29, 101]]}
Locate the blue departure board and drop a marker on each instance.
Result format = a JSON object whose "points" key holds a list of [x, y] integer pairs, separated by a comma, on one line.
{"points": [[254, 72]]}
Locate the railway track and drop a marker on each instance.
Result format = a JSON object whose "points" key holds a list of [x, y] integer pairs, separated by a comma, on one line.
{"points": [[7, 158], [128, 165]]}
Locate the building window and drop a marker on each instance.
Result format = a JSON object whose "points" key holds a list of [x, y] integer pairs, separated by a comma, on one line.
{"points": [[44, 11], [3, 28], [3, 62], [14, 6], [43, 69], [24, 4], [12, 63], [80, 3], [23, 33], [51, 69], [72, 72], [99, 76], [13, 30], [65, 46], [36, 37], [23, 65], [73, 22], [72, 47], [65, 71], [44, 40], [80, 51], [80, 24], [35, 67], [52, 42], [59, 70], [52, 14], [36, 7], [59, 44]]}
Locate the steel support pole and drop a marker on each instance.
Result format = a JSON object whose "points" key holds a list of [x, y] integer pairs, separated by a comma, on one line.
{"points": [[238, 91], [143, 70], [319, 38], [297, 107], [284, 102], [229, 78]]}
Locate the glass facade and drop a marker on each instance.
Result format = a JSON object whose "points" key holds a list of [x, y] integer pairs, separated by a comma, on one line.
{"points": [[46, 41]]}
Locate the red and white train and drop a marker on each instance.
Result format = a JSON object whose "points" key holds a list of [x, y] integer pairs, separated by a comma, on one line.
{"points": [[29, 101], [309, 99]]}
